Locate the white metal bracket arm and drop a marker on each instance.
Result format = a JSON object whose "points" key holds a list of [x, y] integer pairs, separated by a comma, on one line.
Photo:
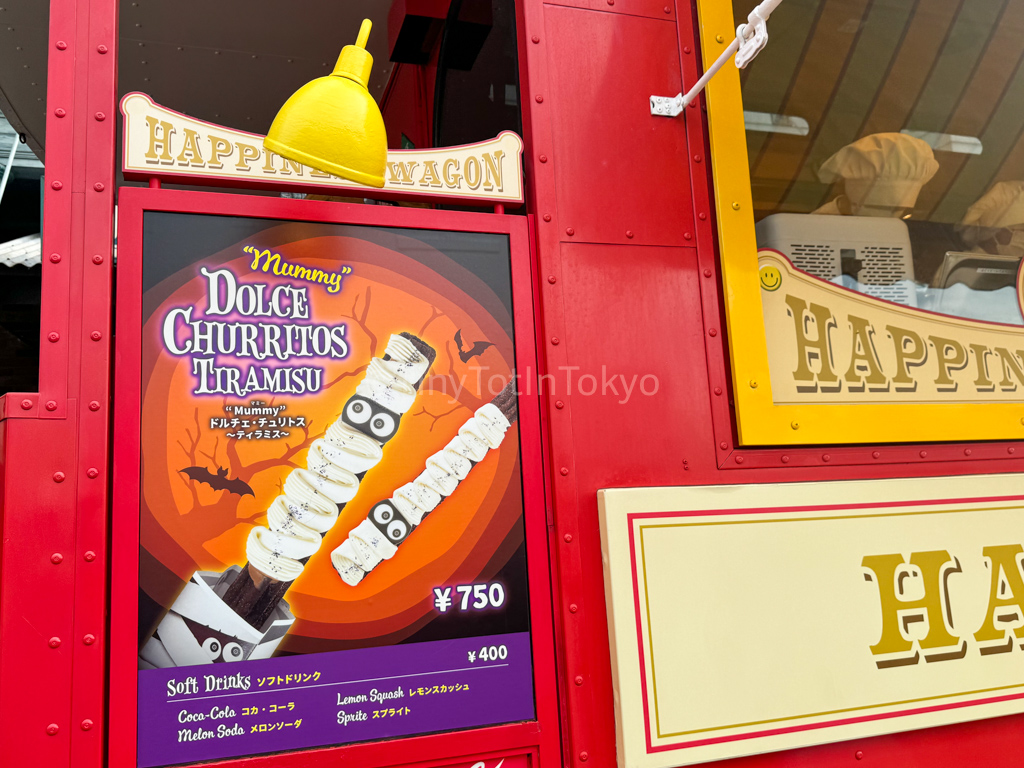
{"points": [[749, 41]]}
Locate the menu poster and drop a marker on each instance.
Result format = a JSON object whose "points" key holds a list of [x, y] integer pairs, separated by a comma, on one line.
{"points": [[332, 538]]}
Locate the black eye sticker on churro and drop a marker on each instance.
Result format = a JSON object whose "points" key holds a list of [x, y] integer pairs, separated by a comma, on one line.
{"points": [[370, 418], [392, 521]]}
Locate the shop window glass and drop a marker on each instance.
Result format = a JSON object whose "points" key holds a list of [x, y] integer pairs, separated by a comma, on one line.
{"points": [[886, 148]]}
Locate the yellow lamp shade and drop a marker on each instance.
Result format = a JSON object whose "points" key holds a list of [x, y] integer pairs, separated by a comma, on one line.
{"points": [[333, 124]]}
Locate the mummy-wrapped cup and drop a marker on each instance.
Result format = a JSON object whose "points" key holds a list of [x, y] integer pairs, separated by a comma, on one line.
{"points": [[390, 522], [200, 628]]}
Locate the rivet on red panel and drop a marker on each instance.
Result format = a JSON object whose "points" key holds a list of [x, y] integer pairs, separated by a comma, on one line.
{"points": [[53, 336], [739, 459], [547, 217], [785, 459], [26, 404], [56, 558], [570, 231], [60, 112], [57, 185], [53, 729], [567, 538], [543, 158], [92, 473], [51, 405], [559, 404], [707, 273], [95, 335], [712, 332], [89, 639], [55, 642], [61, 45], [723, 445], [539, 99], [102, 48], [58, 477], [94, 405], [697, 158], [667, 9], [629, 234], [924, 454], [89, 556], [86, 725], [967, 451], [1011, 450], [98, 186], [687, 236], [718, 390], [535, 39], [555, 341], [97, 259], [686, 49], [584, 757], [55, 258], [573, 608], [552, 279], [826, 457], [564, 471], [100, 117], [702, 216], [578, 680], [858, 755], [876, 454]]}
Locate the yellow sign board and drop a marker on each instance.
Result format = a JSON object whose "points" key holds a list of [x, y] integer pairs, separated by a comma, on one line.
{"points": [[827, 344], [748, 619], [161, 142]]}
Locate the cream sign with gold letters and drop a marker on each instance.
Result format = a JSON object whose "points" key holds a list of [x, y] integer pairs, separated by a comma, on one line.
{"points": [[161, 142], [827, 344], [749, 619]]}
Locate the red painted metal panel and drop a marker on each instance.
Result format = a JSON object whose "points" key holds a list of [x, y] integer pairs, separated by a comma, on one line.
{"points": [[540, 737], [620, 175], [37, 591], [53, 585], [655, 9]]}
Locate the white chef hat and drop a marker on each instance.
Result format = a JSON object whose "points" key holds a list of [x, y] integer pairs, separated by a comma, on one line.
{"points": [[882, 170], [1000, 207]]}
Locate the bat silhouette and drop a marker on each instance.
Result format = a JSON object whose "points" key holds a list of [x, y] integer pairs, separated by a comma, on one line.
{"points": [[473, 351], [219, 481]]}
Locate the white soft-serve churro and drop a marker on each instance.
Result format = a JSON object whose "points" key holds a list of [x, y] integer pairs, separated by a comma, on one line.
{"points": [[312, 498], [390, 522]]}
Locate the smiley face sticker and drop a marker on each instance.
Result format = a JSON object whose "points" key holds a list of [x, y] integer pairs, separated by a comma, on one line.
{"points": [[771, 278]]}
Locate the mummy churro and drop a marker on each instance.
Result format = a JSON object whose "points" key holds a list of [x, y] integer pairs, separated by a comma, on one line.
{"points": [[390, 522], [239, 614], [312, 498]]}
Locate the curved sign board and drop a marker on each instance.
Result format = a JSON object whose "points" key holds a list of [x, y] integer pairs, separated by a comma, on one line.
{"points": [[162, 143]]}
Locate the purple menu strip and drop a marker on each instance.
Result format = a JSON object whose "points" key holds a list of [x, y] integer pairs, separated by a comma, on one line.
{"points": [[188, 714]]}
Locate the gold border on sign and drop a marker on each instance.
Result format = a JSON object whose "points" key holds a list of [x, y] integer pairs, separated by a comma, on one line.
{"points": [[650, 629]]}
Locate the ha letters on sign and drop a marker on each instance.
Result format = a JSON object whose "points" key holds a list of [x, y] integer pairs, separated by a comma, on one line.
{"points": [[160, 142]]}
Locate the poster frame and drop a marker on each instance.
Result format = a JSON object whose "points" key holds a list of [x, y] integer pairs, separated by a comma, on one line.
{"points": [[538, 739]]}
